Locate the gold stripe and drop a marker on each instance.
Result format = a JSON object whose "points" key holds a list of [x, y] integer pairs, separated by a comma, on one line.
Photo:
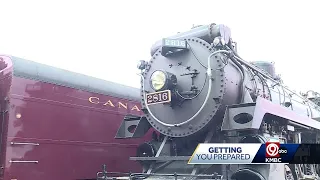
{"points": [[194, 152]]}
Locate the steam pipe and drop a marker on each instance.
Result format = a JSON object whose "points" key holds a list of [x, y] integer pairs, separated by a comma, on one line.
{"points": [[268, 77]]}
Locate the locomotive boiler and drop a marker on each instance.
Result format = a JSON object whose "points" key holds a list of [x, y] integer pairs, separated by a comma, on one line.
{"points": [[197, 89]]}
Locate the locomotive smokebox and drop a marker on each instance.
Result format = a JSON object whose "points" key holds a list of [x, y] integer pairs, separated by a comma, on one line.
{"points": [[180, 97]]}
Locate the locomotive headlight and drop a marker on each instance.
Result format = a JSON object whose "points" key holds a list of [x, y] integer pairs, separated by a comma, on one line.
{"points": [[158, 80]]}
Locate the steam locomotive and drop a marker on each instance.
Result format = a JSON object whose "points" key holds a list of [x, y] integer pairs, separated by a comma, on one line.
{"points": [[197, 89]]}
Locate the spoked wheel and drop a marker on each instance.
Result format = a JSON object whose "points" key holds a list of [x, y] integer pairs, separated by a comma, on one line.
{"points": [[247, 174], [317, 167], [290, 173]]}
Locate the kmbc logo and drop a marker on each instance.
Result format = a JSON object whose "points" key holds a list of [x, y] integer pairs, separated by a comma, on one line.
{"points": [[272, 149], [273, 152]]}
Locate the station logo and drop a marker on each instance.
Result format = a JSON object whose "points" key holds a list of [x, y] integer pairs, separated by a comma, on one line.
{"points": [[274, 152]]}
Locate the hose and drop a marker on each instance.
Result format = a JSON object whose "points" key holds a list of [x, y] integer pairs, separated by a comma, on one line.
{"points": [[269, 77], [209, 74]]}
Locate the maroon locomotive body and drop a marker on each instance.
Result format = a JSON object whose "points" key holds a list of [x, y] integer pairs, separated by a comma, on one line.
{"points": [[60, 125]]}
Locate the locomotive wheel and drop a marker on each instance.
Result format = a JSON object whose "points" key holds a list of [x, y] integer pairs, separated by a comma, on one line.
{"points": [[289, 171], [146, 150], [317, 167], [246, 174]]}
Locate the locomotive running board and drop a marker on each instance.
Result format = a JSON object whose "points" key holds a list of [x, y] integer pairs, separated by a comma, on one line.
{"points": [[250, 116]]}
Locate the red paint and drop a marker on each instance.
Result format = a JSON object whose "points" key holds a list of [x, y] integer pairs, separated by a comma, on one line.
{"points": [[75, 137]]}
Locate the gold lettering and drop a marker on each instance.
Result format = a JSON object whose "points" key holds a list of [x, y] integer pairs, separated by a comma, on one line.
{"points": [[125, 106], [109, 103], [94, 102], [135, 107]]}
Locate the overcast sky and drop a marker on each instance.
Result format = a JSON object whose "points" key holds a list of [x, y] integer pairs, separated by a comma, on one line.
{"points": [[105, 39]]}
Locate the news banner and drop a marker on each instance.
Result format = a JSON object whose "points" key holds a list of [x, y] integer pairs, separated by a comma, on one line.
{"points": [[271, 152]]}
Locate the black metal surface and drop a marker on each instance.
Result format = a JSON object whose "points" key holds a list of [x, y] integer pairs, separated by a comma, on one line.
{"points": [[224, 86], [132, 127], [146, 150], [236, 81]]}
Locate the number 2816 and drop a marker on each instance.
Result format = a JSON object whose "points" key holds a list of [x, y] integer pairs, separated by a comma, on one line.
{"points": [[158, 98]]}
